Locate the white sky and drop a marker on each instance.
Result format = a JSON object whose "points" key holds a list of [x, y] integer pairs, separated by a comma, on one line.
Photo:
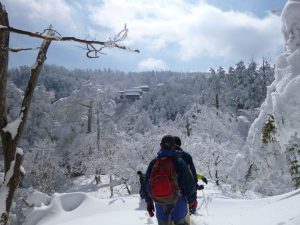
{"points": [[171, 34]]}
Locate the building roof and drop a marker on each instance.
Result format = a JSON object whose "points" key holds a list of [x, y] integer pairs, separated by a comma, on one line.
{"points": [[132, 93]]}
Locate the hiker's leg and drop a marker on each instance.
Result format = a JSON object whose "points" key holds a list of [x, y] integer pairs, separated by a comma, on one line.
{"points": [[162, 222], [184, 221], [187, 218]]}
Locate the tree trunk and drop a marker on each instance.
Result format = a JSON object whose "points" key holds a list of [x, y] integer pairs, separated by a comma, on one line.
{"points": [[90, 117], [264, 86], [5, 137], [209, 171], [127, 188], [98, 129], [12, 157], [217, 101], [188, 127], [111, 186], [97, 178], [4, 43], [217, 178], [10, 186], [217, 161]]}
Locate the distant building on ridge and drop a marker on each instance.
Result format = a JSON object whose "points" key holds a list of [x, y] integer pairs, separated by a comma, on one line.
{"points": [[134, 93]]}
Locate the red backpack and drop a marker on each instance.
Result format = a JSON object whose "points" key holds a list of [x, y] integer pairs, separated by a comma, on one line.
{"points": [[164, 187]]}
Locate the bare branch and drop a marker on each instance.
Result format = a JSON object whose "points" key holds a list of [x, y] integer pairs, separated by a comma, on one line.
{"points": [[267, 163], [92, 50], [84, 105], [53, 31], [217, 161], [20, 49], [121, 36]]}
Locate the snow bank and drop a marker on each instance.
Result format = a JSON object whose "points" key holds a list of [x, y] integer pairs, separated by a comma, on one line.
{"points": [[37, 199], [80, 208], [216, 207], [58, 207], [280, 210], [265, 167]]}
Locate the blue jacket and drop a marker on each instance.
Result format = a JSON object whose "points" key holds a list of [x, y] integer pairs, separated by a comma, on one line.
{"points": [[186, 185]]}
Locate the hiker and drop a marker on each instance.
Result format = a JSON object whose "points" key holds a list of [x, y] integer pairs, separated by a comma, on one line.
{"points": [[189, 161], [170, 185], [142, 183]]}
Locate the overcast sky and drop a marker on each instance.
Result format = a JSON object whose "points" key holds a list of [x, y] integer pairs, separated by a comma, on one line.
{"points": [[180, 35]]}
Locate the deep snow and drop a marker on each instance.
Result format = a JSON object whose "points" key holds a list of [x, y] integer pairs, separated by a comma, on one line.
{"points": [[217, 206]]}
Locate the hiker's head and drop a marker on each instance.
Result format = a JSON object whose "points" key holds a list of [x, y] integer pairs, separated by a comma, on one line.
{"points": [[167, 142], [139, 173], [177, 141]]}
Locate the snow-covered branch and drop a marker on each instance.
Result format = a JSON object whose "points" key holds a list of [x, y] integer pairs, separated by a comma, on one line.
{"points": [[21, 49], [91, 45]]}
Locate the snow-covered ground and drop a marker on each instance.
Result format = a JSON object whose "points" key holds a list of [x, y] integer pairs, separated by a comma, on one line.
{"points": [[217, 206]]}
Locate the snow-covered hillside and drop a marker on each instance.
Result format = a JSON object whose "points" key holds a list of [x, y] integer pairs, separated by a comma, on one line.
{"points": [[271, 157], [217, 205]]}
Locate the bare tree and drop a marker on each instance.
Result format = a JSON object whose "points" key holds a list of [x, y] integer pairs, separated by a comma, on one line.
{"points": [[90, 116], [216, 163], [188, 127], [12, 132]]}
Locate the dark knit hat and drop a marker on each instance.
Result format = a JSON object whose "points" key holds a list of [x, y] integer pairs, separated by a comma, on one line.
{"points": [[167, 142]]}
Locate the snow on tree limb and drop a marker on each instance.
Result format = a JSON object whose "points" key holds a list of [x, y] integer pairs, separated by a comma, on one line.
{"points": [[13, 127], [4, 190], [20, 49], [20, 151]]}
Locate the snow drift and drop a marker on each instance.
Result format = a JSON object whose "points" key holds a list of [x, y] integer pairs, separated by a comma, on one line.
{"points": [[218, 207]]}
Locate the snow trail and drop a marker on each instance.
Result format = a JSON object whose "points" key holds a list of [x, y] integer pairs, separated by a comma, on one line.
{"points": [[220, 206]]}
